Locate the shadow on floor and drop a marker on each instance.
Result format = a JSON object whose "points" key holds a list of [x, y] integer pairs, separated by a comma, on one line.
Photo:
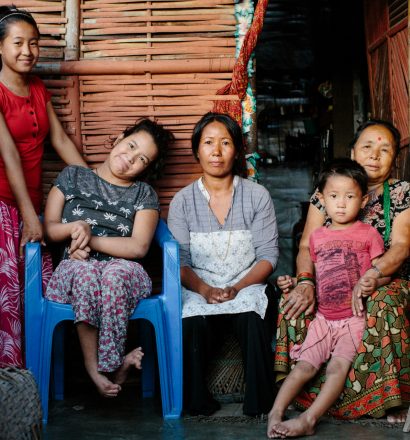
{"points": [[84, 415]]}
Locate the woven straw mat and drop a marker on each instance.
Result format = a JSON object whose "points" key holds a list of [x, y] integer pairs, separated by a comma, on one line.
{"points": [[20, 413]]}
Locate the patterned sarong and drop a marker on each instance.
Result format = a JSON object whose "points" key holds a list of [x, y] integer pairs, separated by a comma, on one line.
{"points": [[380, 375]]}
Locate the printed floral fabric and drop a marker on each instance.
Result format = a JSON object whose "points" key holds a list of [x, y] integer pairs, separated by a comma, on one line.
{"points": [[208, 252], [379, 378], [12, 287], [244, 12], [103, 294]]}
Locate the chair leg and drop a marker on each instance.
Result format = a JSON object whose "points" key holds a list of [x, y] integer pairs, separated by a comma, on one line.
{"points": [[165, 375], [57, 388], [148, 361], [406, 427], [45, 374]]}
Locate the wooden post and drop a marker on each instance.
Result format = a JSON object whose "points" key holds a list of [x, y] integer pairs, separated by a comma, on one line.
{"points": [[72, 49], [72, 53]]}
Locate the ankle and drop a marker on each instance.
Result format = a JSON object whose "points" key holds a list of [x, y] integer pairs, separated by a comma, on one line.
{"points": [[91, 368], [310, 418], [277, 412]]}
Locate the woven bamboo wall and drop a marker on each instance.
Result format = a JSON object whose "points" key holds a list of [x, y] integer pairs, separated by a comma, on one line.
{"points": [[108, 63], [388, 60]]}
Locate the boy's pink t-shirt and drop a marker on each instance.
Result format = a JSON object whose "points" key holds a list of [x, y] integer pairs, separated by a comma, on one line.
{"points": [[341, 257]]}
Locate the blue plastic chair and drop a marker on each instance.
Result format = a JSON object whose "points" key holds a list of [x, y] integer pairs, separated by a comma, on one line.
{"points": [[43, 332]]}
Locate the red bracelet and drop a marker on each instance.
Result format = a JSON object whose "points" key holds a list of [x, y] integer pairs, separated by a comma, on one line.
{"points": [[305, 275]]}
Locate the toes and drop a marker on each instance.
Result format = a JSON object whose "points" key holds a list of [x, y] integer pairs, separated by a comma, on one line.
{"points": [[111, 392]]}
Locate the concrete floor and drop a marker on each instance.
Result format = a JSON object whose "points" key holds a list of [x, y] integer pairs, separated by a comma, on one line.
{"points": [[83, 415]]}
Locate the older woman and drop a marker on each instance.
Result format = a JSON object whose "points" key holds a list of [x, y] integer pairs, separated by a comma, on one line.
{"points": [[228, 238], [379, 379]]}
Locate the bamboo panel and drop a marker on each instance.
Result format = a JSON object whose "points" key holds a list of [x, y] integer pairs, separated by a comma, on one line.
{"points": [[188, 41], [130, 30], [133, 50], [58, 90], [164, 78], [217, 18], [140, 30], [143, 4]]}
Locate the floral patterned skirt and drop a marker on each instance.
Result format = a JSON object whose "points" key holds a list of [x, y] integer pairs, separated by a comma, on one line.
{"points": [[12, 286], [103, 294], [379, 378]]}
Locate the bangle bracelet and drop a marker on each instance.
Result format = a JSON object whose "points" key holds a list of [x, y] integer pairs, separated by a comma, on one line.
{"points": [[312, 280], [379, 272], [307, 282], [305, 274]]}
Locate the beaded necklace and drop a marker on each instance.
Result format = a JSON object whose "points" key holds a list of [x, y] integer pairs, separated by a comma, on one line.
{"points": [[230, 213], [215, 246], [386, 211]]}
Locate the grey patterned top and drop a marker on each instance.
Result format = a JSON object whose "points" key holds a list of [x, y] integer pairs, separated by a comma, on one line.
{"points": [[252, 209], [109, 209]]}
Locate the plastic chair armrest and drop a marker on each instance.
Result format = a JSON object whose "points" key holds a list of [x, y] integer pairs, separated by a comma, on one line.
{"points": [[33, 277], [162, 233], [33, 305]]}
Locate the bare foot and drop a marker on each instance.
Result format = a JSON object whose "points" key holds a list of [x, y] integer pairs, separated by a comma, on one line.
{"points": [[104, 386], [132, 359], [294, 428], [398, 416], [274, 417]]}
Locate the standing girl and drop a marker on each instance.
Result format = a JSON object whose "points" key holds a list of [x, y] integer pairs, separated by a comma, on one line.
{"points": [[26, 117]]}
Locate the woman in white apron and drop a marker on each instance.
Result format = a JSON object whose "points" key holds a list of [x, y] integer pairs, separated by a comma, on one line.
{"points": [[226, 228]]}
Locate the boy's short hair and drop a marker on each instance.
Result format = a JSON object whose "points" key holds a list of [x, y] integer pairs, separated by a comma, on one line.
{"points": [[347, 168]]}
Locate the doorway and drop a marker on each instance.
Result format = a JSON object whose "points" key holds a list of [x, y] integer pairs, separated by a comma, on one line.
{"points": [[312, 93]]}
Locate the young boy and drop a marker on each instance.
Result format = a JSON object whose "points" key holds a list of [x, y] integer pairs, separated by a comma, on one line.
{"points": [[341, 253]]}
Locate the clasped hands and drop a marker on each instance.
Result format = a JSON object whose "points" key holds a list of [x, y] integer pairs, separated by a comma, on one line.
{"points": [[216, 295], [80, 238]]}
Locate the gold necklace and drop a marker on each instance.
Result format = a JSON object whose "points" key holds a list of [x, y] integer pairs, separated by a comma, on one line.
{"points": [[215, 247]]}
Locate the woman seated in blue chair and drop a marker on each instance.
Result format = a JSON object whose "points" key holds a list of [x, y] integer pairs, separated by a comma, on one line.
{"points": [[226, 228], [107, 219]]}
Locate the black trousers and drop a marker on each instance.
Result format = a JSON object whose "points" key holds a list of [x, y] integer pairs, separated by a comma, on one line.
{"points": [[202, 334]]}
